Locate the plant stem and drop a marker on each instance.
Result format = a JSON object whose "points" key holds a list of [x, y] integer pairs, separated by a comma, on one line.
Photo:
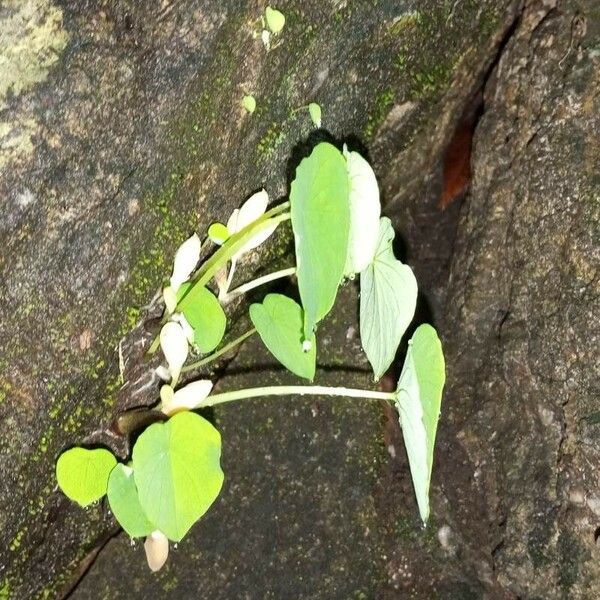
{"points": [[215, 355], [246, 287], [286, 390], [205, 273], [236, 242]]}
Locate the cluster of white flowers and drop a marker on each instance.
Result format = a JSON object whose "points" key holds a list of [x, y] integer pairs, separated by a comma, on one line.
{"points": [[176, 336]]}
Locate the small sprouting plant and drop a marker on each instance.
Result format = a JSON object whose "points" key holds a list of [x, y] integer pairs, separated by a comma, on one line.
{"points": [[174, 474]]}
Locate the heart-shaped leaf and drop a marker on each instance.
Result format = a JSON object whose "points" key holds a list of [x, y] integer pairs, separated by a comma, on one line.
{"points": [[418, 399], [204, 315], [82, 474], [388, 297], [320, 220], [125, 504], [275, 19], [278, 321], [177, 472]]}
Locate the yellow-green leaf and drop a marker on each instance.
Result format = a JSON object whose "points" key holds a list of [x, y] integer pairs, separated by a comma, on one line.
{"points": [[177, 471], [218, 233], [82, 474], [315, 113], [249, 103], [125, 504], [275, 19], [320, 220], [205, 316], [279, 321]]}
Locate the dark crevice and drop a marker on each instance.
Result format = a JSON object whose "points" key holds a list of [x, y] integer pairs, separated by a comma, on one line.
{"points": [[85, 565]]}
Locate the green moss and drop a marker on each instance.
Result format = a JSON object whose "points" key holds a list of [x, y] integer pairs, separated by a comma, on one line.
{"points": [[270, 141], [432, 79], [432, 43], [400, 25], [540, 535], [5, 589], [379, 111], [15, 544], [5, 388], [571, 556]]}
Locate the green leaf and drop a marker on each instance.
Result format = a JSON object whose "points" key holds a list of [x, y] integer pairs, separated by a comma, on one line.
{"points": [[365, 210], [419, 397], [218, 233], [125, 504], [249, 103], [82, 474], [388, 297], [315, 113], [320, 220], [278, 321], [275, 19], [177, 472], [204, 315]]}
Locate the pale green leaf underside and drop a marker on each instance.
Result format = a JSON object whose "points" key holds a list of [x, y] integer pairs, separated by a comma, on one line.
{"points": [[365, 209], [320, 220], [125, 504], [204, 314], [177, 472], [388, 297], [82, 474], [418, 401], [278, 321]]}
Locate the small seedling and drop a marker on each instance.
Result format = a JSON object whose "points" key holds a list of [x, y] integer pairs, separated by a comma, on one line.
{"points": [[249, 103], [315, 114], [174, 473], [272, 24], [275, 20]]}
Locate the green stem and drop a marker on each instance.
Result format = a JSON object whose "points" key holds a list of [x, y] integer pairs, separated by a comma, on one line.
{"points": [[236, 242], [287, 390], [246, 287], [208, 359], [205, 273]]}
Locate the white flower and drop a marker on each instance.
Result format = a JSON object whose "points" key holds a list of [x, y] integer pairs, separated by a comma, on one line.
{"points": [[265, 36], [157, 550], [174, 345], [186, 398], [163, 373], [170, 298], [251, 210], [186, 259], [187, 328]]}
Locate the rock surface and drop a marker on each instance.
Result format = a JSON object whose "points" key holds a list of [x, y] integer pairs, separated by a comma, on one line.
{"points": [[122, 131]]}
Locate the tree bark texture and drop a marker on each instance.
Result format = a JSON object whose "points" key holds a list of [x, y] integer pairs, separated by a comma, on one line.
{"points": [[121, 132]]}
